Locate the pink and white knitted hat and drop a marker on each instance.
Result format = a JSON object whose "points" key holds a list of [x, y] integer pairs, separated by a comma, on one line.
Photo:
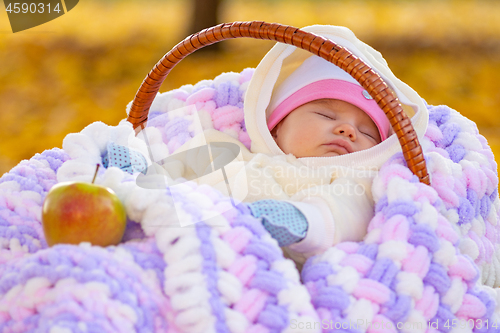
{"points": [[315, 79]]}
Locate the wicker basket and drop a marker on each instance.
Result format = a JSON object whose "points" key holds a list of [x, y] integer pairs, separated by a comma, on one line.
{"points": [[315, 44]]}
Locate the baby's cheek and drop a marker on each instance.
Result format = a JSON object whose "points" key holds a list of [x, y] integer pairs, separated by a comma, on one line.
{"points": [[291, 142], [370, 144]]}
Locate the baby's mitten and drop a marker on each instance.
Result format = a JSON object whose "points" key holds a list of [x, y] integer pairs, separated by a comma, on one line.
{"points": [[281, 219], [124, 158]]}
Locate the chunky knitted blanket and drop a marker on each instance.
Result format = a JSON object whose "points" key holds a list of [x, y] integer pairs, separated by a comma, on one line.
{"points": [[430, 261]]}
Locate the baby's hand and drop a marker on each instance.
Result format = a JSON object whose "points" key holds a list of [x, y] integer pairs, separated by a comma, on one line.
{"points": [[281, 219]]}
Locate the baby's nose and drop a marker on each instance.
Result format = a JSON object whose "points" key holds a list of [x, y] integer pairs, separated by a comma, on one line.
{"points": [[346, 130]]}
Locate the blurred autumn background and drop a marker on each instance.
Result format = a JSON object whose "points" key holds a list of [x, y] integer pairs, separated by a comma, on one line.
{"points": [[87, 65]]}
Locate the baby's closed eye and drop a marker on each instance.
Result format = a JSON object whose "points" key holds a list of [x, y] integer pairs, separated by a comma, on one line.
{"points": [[326, 115], [370, 134]]}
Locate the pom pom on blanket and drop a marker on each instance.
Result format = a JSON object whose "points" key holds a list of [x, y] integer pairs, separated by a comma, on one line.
{"points": [[428, 263]]}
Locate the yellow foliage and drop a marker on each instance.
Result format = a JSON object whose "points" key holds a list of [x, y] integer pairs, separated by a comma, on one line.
{"points": [[88, 64]]}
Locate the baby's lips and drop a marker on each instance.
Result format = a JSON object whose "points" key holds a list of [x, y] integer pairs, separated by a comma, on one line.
{"points": [[340, 146], [337, 149]]}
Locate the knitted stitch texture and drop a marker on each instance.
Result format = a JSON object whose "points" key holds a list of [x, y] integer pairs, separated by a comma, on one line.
{"points": [[428, 263]]}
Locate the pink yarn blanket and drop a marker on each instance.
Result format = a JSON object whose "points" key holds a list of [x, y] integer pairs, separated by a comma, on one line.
{"points": [[430, 261]]}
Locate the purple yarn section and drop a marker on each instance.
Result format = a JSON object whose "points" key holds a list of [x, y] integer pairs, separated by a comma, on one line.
{"points": [[18, 222], [438, 278], [439, 114], [443, 316], [465, 211], [210, 272], [368, 250], [31, 177], [485, 206], [133, 231], [319, 271], [20, 232], [450, 132], [472, 197], [400, 208], [330, 297], [425, 236], [397, 308], [55, 157], [227, 94], [151, 260], [153, 114], [178, 127], [384, 271], [456, 151]]}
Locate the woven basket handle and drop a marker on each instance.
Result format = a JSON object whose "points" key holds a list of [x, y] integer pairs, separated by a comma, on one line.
{"points": [[315, 44]]}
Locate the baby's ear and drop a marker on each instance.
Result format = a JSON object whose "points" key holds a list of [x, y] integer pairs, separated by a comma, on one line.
{"points": [[274, 132]]}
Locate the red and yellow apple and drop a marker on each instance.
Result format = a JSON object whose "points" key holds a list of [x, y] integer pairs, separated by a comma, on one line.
{"points": [[75, 212]]}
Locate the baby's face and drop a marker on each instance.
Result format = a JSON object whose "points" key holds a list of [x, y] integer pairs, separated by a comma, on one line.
{"points": [[326, 127]]}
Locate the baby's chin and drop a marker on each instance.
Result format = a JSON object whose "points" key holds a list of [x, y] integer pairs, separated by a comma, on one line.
{"points": [[331, 153], [327, 154], [318, 153]]}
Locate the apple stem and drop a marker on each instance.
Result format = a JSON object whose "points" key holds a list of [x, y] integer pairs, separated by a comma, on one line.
{"points": [[95, 174]]}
